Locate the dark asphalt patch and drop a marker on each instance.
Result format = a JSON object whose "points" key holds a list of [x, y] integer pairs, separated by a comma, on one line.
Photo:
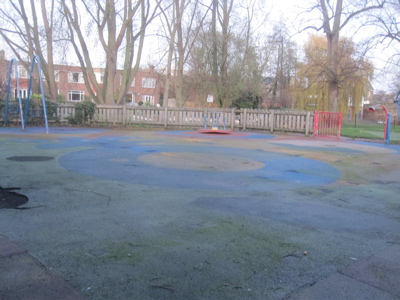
{"points": [[30, 158], [10, 199]]}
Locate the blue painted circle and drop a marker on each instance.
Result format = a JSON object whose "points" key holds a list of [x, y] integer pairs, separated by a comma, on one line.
{"points": [[118, 160]]}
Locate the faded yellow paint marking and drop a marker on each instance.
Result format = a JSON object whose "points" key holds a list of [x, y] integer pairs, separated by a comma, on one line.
{"points": [[167, 154], [198, 140], [150, 144], [201, 161]]}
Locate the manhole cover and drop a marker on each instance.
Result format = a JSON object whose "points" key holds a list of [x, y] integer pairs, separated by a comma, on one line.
{"points": [[30, 158], [11, 199]]}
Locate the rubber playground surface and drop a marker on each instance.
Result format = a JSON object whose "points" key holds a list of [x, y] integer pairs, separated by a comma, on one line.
{"points": [[153, 214]]}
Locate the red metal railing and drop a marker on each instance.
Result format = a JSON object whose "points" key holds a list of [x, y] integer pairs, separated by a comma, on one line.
{"points": [[327, 124]]}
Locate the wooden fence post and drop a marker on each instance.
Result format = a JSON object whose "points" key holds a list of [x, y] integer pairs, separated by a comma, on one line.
{"points": [[166, 116], [233, 118], [244, 118], [307, 132], [124, 114], [271, 120]]}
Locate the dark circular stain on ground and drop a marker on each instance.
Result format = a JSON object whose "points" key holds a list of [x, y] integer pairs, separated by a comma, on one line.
{"points": [[30, 158], [11, 199]]}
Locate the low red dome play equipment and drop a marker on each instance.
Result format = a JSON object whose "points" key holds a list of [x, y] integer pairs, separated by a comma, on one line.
{"points": [[215, 124]]}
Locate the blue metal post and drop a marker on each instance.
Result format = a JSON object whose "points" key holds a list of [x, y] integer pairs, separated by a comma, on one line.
{"points": [[388, 128], [224, 121], [21, 114], [37, 59]]}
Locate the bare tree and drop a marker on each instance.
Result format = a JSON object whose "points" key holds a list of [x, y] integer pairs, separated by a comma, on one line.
{"points": [[387, 23], [224, 14], [170, 29], [115, 27], [227, 57], [182, 26], [179, 9], [214, 52], [282, 64], [334, 17], [174, 28], [29, 33], [386, 37]]}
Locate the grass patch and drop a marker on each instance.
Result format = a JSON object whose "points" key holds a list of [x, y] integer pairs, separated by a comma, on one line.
{"points": [[360, 133], [368, 127], [370, 131]]}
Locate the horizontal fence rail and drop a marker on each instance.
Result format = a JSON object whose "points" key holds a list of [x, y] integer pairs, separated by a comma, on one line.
{"points": [[227, 119]]}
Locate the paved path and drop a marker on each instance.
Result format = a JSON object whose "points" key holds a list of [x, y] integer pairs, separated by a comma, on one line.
{"points": [[24, 277], [377, 277], [119, 214]]}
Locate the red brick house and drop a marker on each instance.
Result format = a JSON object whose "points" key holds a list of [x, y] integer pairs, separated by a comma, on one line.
{"points": [[144, 88]]}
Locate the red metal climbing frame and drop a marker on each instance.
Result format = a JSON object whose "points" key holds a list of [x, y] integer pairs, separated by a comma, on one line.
{"points": [[327, 124]]}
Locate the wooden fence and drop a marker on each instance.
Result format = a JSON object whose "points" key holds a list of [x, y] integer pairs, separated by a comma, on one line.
{"points": [[231, 119]]}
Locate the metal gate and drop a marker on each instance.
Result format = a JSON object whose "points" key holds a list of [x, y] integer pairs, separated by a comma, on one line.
{"points": [[327, 124]]}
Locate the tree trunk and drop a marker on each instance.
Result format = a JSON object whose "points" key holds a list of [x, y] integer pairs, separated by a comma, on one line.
{"points": [[214, 53], [181, 52], [333, 76], [34, 47], [105, 17], [111, 50], [332, 25], [50, 73], [226, 10], [83, 56], [170, 53], [131, 70]]}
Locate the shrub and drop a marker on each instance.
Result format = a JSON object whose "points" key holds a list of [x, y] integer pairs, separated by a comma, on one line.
{"points": [[60, 98], [35, 111], [246, 99], [84, 111]]}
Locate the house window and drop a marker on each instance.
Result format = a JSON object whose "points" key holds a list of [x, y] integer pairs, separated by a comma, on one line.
{"points": [[76, 95], [100, 77], [130, 99], [148, 99], [148, 82], [56, 76], [22, 72], [75, 77], [132, 83], [23, 94]]}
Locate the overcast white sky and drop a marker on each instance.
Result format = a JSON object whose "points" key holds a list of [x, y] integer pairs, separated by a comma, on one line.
{"points": [[288, 10]]}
